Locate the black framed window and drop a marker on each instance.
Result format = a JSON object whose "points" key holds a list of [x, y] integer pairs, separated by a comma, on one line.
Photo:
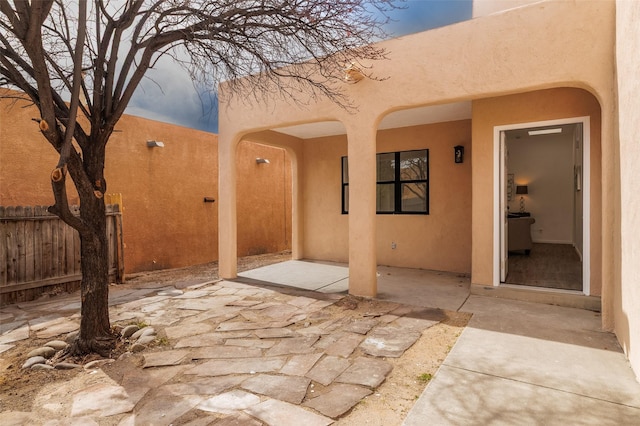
{"points": [[402, 182]]}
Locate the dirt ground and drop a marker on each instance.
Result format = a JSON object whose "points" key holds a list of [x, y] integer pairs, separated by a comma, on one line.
{"points": [[387, 406]]}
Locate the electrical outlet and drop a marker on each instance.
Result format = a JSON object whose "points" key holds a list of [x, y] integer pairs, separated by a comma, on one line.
{"points": [[393, 246]]}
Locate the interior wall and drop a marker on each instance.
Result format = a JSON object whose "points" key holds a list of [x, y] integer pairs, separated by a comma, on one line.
{"points": [[545, 164], [439, 241], [541, 105]]}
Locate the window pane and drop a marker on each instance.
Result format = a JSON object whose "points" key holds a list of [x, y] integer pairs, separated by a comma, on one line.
{"points": [[413, 165], [386, 167], [385, 199], [414, 197], [345, 197], [345, 170]]}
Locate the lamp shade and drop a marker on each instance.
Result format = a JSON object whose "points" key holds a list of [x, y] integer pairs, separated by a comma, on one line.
{"points": [[522, 189]]}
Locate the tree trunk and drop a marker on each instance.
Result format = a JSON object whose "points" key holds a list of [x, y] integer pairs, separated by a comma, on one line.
{"points": [[95, 331]]}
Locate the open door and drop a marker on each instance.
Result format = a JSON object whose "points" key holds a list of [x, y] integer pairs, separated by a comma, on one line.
{"points": [[504, 229]]}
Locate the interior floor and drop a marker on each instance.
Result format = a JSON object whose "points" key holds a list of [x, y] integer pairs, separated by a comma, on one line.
{"points": [[547, 265]]}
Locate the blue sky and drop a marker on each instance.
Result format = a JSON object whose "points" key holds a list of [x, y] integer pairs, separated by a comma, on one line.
{"points": [[169, 96]]}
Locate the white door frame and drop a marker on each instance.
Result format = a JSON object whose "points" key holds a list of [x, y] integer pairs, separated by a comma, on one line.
{"points": [[586, 191]]}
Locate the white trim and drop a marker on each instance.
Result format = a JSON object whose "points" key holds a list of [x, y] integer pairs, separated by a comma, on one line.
{"points": [[586, 190]]}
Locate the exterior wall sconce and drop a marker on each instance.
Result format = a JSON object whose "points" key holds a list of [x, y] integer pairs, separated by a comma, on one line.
{"points": [[458, 153], [352, 74], [522, 190], [155, 144], [262, 161]]}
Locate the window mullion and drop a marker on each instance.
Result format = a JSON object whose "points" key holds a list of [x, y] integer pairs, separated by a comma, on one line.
{"points": [[398, 185]]}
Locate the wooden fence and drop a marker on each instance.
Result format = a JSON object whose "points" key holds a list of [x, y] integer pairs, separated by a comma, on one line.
{"points": [[40, 253]]}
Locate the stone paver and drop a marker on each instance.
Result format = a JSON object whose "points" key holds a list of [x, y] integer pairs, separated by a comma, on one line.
{"points": [[216, 352], [328, 369], [285, 388], [249, 325], [229, 402], [339, 399], [366, 371], [294, 345], [101, 399], [273, 333], [178, 332], [209, 339], [238, 366], [165, 409], [361, 326], [345, 345], [389, 341], [203, 385], [164, 358], [299, 365], [251, 343], [274, 412]]}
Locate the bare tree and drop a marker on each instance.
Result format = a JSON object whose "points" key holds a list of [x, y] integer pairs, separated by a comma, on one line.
{"points": [[81, 62]]}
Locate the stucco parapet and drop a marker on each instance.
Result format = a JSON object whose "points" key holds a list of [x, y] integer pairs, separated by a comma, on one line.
{"points": [[537, 46]]}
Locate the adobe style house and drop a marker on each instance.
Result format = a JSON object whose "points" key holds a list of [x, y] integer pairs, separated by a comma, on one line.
{"points": [[543, 95]]}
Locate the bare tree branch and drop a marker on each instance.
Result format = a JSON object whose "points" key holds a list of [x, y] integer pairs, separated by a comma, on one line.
{"points": [[92, 56]]}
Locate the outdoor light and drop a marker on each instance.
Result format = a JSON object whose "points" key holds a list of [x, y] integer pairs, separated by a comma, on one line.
{"points": [[458, 153], [352, 74], [155, 144], [262, 161], [545, 131], [522, 190]]}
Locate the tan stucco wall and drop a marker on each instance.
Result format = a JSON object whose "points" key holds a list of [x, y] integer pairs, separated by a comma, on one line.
{"points": [[524, 108], [166, 222], [441, 240], [627, 297], [438, 241], [264, 200]]}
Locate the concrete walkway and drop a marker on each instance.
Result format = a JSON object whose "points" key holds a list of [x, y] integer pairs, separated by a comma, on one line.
{"points": [[516, 362]]}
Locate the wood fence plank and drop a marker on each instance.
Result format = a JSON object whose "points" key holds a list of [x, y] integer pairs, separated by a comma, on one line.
{"points": [[59, 251], [37, 249], [21, 261], [11, 247], [55, 231], [29, 249], [69, 248], [47, 249]]}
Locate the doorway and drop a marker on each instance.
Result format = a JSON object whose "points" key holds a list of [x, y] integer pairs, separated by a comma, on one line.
{"points": [[543, 204]]}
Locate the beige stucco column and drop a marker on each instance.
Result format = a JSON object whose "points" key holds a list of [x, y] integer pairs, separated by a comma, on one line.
{"points": [[227, 210], [361, 152]]}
